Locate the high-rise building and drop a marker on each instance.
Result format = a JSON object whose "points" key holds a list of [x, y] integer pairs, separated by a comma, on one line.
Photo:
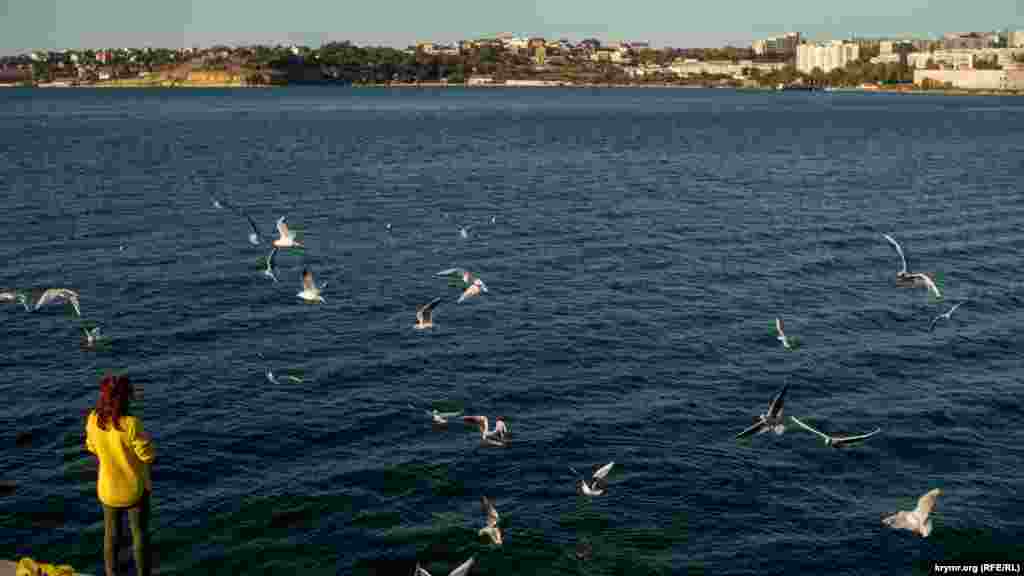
{"points": [[827, 57], [785, 45]]}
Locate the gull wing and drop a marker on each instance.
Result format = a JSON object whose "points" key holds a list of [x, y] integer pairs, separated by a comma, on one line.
{"points": [[425, 312], [903, 259], [492, 514], [850, 439], [254, 236], [282, 229], [307, 280], [8, 296], [930, 284], [926, 503], [451, 271], [775, 408], [822, 434], [480, 421], [448, 414], [420, 571], [778, 328], [754, 428], [463, 568], [270, 258], [603, 471], [957, 305], [935, 321], [483, 286]]}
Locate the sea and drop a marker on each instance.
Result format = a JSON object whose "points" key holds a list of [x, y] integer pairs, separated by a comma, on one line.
{"points": [[637, 246]]}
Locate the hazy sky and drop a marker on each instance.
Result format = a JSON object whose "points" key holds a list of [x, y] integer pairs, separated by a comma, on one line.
{"points": [[57, 24]]}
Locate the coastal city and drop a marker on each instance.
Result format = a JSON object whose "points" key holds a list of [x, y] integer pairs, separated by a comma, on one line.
{"points": [[973, 61]]}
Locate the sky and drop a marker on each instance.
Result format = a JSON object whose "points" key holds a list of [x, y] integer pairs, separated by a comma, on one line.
{"points": [[27, 25]]}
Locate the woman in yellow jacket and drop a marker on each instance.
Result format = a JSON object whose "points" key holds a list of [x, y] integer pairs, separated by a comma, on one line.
{"points": [[125, 453]]}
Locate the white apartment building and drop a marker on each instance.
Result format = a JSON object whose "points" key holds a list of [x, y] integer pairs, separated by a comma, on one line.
{"points": [[827, 57]]}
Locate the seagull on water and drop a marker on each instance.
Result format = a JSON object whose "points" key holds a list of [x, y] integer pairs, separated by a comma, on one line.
{"points": [[269, 270], [286, 238], [462, 569], [597, 485], [471, 285], [58, 295], [947, 316], [491, 529], [772, 420], [310, 291], [494, 437], [786, 342], [425, 314], [837, 441], [916, 520], [464, 232], [915, 279]]}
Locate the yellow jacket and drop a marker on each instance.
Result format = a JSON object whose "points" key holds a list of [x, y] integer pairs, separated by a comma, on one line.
{"points": [[125, 456]]}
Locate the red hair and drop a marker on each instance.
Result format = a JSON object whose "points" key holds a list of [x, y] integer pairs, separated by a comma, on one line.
{"points": [[116, 392]]}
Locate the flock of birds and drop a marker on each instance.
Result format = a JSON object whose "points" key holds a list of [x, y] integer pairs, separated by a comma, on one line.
{"points": [[916, 520]]}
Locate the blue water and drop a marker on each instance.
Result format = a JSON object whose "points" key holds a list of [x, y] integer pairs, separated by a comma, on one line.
{"points": [[643, 243]]}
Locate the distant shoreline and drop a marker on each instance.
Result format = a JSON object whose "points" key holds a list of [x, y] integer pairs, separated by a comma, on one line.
{"points": [[198, 85]]}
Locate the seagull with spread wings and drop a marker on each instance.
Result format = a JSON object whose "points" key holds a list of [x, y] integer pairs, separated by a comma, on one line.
{"points": [[772, 420], [58, 295], [425, 314], [470, 284], [597, 484], [310, 291], [915, 279], [491, 529], [269, 270], [837, 441], [286, 238], [916, 520], [946, 316], [254, 232], [490, 437]]}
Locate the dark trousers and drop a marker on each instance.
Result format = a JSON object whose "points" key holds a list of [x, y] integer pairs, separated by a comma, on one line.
{"points": [[138, 519]]}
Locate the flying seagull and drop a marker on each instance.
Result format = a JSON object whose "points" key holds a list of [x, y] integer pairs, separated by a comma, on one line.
{"points": [[597, 485], [286, 238], [15, 296], [269, 270], [441, 418], [254, 232], [462, 569], [425, 314], [772, 420], [915, 279], [310, 291], [786, 343], [471, 285], [272, 378], [494, 437], [92, 335], [491, 529], [58, 295], [917, 519], [946, 316], [837, 441]]}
